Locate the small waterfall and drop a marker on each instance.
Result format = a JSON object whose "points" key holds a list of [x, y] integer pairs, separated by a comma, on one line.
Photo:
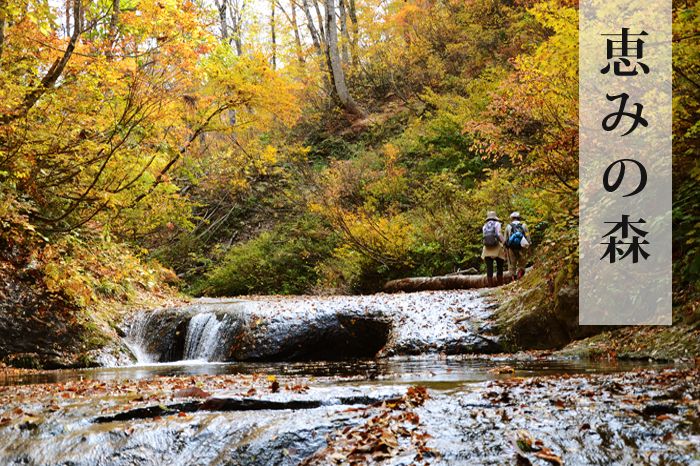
{"points": [[137, 337], [189, 333], [246, 331], [202, 338]]}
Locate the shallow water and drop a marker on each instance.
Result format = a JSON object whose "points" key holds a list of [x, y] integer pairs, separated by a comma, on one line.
{"points": [[472, 414], [431, 370], [475, 405]]}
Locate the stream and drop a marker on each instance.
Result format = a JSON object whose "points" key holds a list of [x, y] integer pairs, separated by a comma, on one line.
{"points": [[438, 372], [476, 408]]}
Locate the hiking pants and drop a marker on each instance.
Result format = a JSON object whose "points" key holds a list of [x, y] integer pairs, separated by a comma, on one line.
{"points": [[517, 261], [489, 267]]}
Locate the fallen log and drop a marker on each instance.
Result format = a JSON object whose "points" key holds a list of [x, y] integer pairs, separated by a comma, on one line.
{"points": [[442, 282]]}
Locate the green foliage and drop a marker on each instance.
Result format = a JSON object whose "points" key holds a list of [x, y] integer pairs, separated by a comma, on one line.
{"points": [[331, 148], [686, 216], [686, 130], [436, 143], [281, 261]]}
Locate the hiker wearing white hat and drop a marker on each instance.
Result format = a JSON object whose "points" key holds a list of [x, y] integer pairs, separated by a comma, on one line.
{"points": [[493, 250], [517, 243]]}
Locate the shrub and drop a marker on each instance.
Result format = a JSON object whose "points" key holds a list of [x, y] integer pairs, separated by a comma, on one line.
{"points": [[281, 261]]}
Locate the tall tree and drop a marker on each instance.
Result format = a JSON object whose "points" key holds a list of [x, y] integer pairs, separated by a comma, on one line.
{"points": [[3, 19], [113, 27], [221, 7], [273, 34], [294, 24], [313, 31], [352, 13], [321, 27], [231, 14], [344, 32], [297, 36], [336, 66], [32, 95]]}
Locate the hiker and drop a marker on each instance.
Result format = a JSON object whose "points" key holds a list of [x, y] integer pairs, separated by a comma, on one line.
{"points": [[517, 244], [493, 248]]}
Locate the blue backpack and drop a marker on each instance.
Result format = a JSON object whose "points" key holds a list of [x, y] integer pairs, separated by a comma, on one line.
{"points": [[517, 233]]}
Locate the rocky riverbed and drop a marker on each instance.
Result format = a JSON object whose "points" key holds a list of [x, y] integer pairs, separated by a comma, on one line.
{"points": [[274, 328], [385, 379], [636, 417]]}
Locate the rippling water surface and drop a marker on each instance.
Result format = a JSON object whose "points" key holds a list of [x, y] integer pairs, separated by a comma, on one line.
{"points": [[431, 370]]}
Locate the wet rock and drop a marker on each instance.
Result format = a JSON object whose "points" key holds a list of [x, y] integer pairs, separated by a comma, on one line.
{"points": [[316, 328], [581, 418], [659, 409], [589, 430], [528, 320], [274, 429], [25, 360], [235, 404], [286, 448], [325, 337], [231, 331], [566, 312], [465, 344], [203, 438], [113, 354], [38, 328]]}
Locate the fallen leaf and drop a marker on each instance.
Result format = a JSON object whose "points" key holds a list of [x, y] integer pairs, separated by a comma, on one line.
{"points": [[547, 455], [191, 392]]}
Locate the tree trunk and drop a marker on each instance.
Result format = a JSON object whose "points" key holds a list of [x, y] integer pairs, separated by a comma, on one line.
{"points": [[443, 282], [81, 23], [69, 10], [324, 36], [3, 20], [273, 34], [344, 33], [235, 11], [315, 37], [336, 67], [223, 21], [352, 13], [297, 36], [113, 27], [52, 74]]}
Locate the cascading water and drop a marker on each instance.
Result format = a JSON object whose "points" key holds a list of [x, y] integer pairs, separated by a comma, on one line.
{"points": [[137, 336], [200, 332], [202, 338]]}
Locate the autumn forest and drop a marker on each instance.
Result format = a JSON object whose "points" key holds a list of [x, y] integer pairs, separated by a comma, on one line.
{"points": [[154, 152]]}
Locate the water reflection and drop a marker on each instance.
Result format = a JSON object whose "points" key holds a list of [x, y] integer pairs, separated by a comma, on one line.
{"points": [[433, 370]]}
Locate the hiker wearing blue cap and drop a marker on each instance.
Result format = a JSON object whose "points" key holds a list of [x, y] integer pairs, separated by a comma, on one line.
{"points": [[517, 243]]}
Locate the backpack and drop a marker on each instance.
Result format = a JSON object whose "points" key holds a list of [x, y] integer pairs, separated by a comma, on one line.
{"points": [[517, 233], [490, 234]]}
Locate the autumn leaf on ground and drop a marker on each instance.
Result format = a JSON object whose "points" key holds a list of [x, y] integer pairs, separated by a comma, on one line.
{"points": [[191, 392], [547, 455]]}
